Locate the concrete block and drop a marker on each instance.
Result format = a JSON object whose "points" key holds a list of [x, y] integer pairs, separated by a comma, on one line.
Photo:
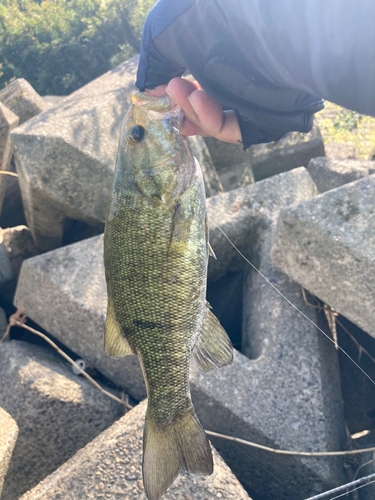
{"points": [[51, 101], [8, 121], [245, 213], [3, 322], [301, 410], [357, 389], [56, 411], [71, 304], [71, 300], [340, 151], [292, 151], [224, 155], [6, 273], [327, 245], [110, 467], [231, 162], [330, 174], [19, 245], [8, 438], [200, 150], [65, 157], [364, 465], [22, 99], [12, 210], [288, 394], [237, 176]]}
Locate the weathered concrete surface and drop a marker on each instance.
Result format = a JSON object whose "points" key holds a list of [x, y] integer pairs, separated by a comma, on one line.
{"points": [[330, 174], [71, 299], [3, 322], [110, 467], [243, 214], [292, 386], [364, 465], [237, 176], [224, 155], [200, 150], [296, 371], [56, 411], [357, 390], [66, 156], [6, 273], [340, 151], [22, 99], [327, 245], [71, 305], [51, 101], [8, 121], [12, 210], [19, 245], [8, 438], [292, 151]]}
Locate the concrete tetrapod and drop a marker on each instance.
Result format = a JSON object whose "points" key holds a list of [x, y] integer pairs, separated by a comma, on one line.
{"points": [[56, 411], [110, 467], [64, 291], [8, 438], [327, 245], [65, 156]]}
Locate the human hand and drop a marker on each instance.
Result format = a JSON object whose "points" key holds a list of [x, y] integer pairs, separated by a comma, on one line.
{"points": [[203, 115]]}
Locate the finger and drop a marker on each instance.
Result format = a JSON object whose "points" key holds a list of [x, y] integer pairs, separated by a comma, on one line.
{"points": [[179, 90], [210, 117], [157, 91]]}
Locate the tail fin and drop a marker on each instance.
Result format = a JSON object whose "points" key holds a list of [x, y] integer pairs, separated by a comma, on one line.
{"points": [[182, 444]]}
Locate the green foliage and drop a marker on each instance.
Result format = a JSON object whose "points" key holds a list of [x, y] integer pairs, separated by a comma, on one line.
{"points": [[341, 125], [347, 120], [59, 45]]}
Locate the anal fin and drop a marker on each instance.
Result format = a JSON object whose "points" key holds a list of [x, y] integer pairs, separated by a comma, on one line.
{"points": [[115, 343], [213, 348]]}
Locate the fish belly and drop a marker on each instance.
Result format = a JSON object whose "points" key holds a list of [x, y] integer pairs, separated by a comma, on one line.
{"points": [[156, 262]]}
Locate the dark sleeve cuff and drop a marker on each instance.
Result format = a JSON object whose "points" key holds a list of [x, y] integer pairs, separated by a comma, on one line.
{"points": [[254, 134]]}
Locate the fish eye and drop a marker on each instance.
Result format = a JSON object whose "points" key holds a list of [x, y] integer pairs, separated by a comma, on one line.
{"points": [[136, 133]]}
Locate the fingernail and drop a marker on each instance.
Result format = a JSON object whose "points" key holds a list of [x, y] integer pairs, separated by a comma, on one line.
{"points": [[192, 104], [169, 92]]}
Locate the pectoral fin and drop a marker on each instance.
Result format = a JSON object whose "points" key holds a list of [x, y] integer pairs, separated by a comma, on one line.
{"points": [[213, 348], [180, 230], [115, 343]]}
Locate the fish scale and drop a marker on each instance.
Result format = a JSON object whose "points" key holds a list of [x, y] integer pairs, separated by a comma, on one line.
{"points": [[156, 255]]}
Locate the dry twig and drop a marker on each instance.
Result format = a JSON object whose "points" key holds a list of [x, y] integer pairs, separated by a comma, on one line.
{"points": [[295, 453], [5, 172], [332, 319], [19, 319]]}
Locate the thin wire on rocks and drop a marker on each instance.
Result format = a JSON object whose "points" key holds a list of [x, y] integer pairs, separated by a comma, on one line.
{"points": [[295, 307], [360, 483], [19, 319]]}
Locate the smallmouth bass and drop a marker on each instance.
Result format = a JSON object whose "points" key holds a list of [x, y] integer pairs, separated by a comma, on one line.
{"points": [[156, 253]]}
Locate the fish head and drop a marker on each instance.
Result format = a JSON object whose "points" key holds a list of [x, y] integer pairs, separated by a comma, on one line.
{"points": [[153, 157]]}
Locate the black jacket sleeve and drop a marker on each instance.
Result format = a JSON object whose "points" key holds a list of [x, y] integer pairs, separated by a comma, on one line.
{"points": [[266, 59]]}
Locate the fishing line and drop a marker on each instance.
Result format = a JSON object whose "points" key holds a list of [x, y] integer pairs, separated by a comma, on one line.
{"points": [[363, 481], [295, 307]]}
